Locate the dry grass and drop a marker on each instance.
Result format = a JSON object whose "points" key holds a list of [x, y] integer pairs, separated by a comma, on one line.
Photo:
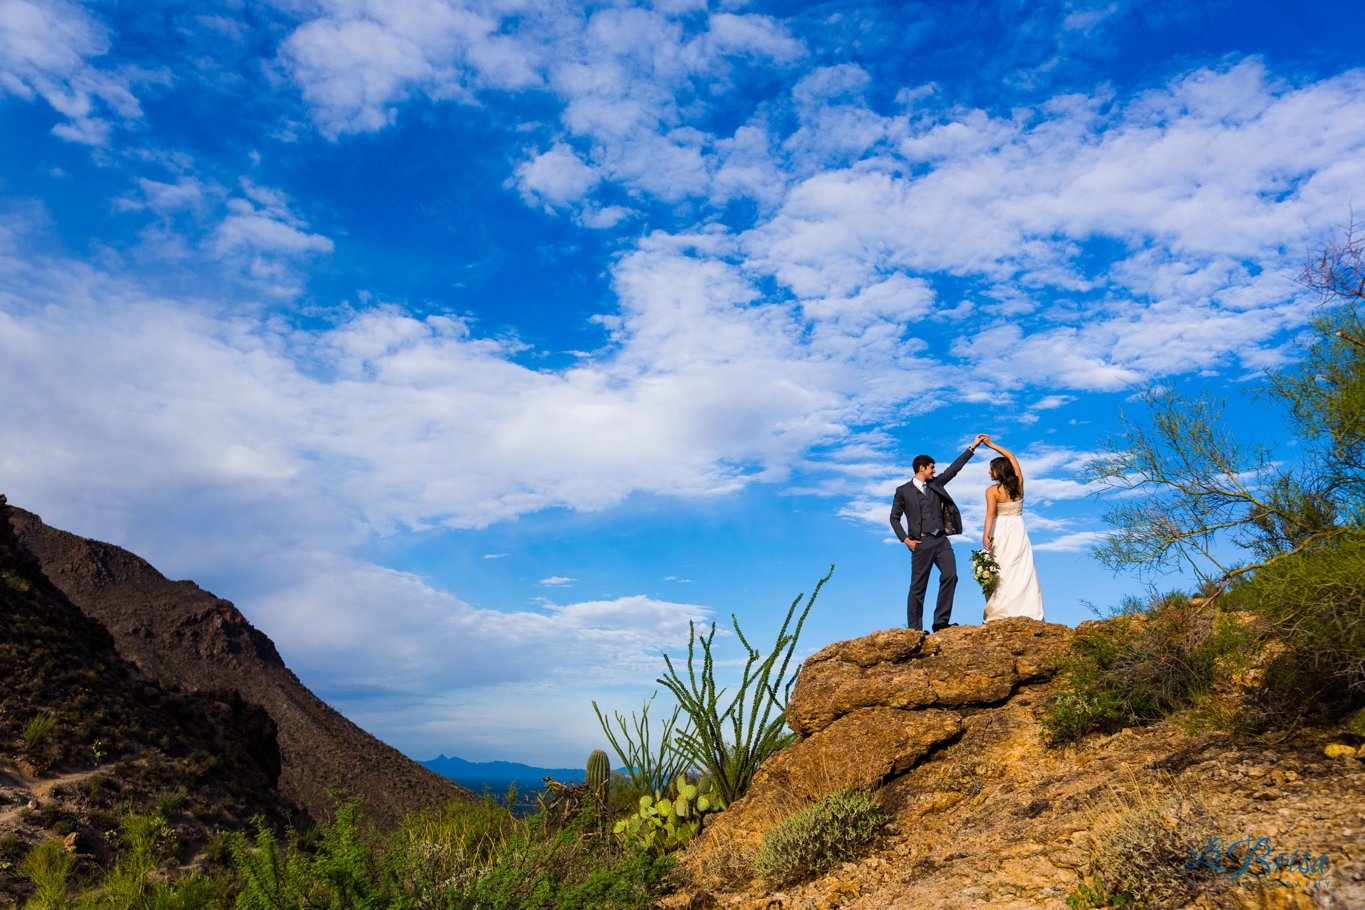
{"points": [[1145, 832]]}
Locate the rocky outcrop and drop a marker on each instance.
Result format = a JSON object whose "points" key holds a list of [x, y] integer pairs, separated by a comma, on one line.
{"points": [[118, 737], [960, 666], [984, 815], [184, 636], [870, 709], [859, 750]]}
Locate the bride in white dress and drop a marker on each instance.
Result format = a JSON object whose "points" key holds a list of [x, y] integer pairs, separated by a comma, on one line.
{"points": [[1017, 592]]}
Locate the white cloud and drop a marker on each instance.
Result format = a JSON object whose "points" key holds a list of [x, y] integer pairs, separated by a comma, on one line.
{"points": [[266, 240], [708, 384], [1075, 542], [555, 178], [337, 635], [429, 669], [557, 581], [45, 51], [357, 61]]}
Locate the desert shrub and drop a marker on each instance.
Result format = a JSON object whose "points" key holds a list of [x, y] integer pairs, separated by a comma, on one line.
{"points": [[1315, 600], [339, 866], [145, 842], [1135, 668], [37, 730], [51, 870], [466, 856], [437, 853], [568, 871], [834, 830], [1141, 858]]}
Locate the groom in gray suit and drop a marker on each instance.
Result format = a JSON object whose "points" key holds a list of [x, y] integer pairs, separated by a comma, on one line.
{"points": [[931, 518]]}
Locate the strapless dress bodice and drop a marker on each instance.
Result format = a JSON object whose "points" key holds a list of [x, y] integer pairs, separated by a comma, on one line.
{"points": [[1010, 508]]}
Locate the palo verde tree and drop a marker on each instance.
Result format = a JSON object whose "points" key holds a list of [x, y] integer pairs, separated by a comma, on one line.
{"points": [[1200, 487], [1293, 519]]}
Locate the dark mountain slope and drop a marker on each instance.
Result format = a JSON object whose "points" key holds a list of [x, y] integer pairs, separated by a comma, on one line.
{"points": [[183, 635], [117, 737]]}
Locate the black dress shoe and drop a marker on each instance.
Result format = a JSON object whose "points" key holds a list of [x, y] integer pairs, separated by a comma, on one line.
{"points": [[951, 625]]}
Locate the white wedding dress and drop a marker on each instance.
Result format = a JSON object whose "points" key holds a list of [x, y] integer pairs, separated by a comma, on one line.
{"points": [[1017, 592]]}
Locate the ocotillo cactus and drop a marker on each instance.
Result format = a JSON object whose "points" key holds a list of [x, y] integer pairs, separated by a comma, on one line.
{"points": [[599, 773]]}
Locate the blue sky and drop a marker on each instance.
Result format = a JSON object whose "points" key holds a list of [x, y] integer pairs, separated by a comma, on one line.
{"points": [[473, 348]]}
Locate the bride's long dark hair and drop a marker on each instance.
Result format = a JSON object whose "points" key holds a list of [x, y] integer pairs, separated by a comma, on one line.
{"points": [[1003, 471]]}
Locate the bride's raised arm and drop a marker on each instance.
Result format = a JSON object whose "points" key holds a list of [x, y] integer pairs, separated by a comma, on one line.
{"points": [[1014, 462]]}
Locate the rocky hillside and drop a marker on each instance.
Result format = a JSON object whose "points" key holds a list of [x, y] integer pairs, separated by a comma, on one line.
{"points": [[983, 814], [84, 734], [183, 636]]}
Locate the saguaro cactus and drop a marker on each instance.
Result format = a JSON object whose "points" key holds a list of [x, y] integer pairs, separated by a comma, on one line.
{"points": [[599, 772]]}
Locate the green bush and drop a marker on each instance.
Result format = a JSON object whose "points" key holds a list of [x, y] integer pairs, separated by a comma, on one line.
{"points": [[834, 830], [1136, 667], [1315, 600], [37, 730], [50, 868], [467, 856]]}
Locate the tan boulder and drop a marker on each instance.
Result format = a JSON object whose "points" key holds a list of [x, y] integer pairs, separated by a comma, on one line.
{"points": [[859, 750], [958, 667], [830, 689], [888, 645]]}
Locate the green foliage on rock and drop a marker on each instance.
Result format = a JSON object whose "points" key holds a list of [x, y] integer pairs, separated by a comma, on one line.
{"points": [[1314, 604], [1276, 537], [1132, 669], [834, 830]]}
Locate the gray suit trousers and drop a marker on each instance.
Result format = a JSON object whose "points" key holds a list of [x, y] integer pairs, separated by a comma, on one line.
{"points": [[931, 551]]}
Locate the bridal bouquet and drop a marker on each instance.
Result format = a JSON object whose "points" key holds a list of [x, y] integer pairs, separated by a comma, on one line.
{"points": [[985, 570]]}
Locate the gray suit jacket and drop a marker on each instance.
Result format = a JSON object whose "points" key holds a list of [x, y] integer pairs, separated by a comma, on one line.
{"points": [[907, 506]]}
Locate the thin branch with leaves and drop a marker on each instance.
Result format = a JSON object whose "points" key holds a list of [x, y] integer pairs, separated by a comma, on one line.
{"points": [[1189, 487]]}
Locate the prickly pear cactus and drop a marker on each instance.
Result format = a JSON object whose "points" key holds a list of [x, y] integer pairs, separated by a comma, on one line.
{"points": [[599, 773], [665, 824]]}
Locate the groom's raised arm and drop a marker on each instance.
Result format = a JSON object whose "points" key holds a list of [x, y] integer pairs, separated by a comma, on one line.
{"points": [[957, 465]]}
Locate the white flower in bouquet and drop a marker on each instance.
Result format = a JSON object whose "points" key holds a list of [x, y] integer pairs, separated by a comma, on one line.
{"points": [[985, 570]]}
